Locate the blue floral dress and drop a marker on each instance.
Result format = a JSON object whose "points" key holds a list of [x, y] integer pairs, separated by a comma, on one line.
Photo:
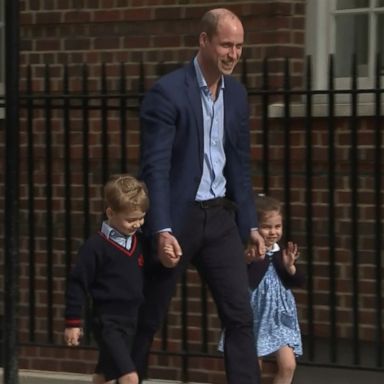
{"points": [[275, 322]]}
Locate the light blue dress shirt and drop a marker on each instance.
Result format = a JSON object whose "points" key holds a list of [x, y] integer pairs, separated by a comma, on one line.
{"points": [[213, 182], [116, 236]]}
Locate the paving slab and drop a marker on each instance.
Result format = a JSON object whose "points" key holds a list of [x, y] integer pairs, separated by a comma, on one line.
{"points": [[319, 375], [47, 377]]}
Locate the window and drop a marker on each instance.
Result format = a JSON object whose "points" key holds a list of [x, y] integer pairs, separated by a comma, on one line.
{"points": [[345, 28]]}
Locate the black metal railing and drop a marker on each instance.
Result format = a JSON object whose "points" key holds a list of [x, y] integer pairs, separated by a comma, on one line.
{"points": [[326, 167]]}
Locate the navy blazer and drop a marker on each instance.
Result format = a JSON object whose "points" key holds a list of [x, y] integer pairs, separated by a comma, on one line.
{"points": [[172, 149]]}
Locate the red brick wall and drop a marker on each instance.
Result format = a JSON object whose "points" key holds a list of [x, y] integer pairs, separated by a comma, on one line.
{"points": [[93, 32]]}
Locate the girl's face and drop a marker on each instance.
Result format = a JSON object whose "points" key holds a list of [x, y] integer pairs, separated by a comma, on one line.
{"points": [[271, 228], [126, 222]]}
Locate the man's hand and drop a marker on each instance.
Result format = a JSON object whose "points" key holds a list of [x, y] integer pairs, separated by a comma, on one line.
{"points": [[169, 250], [256, 247]]}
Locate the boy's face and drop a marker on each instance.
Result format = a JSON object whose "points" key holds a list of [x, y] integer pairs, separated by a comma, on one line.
{"points": [[126, 222], [271, 228]]}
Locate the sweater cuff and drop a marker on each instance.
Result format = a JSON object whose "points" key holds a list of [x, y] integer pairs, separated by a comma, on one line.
{"points": [[72, 323]]}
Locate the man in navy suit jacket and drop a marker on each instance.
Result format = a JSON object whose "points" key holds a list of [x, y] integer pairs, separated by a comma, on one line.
{"points": [[195, 161]]}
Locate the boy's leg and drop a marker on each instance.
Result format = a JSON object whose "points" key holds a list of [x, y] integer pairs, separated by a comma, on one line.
{"points": [[129, 378], [114, 337]]}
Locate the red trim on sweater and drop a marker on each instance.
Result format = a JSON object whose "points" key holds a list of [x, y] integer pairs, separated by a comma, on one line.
{"points": [[73, 323], [118, 246]]}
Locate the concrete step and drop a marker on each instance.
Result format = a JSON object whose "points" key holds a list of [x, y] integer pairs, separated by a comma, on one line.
{"points": [[304, 375], [45, 377], [322, 375]]}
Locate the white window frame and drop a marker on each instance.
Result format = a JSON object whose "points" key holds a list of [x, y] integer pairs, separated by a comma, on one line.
{"points": [[320, 42]]}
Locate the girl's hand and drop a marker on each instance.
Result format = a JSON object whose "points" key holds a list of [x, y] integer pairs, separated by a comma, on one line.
{"points": [[290, 255]]}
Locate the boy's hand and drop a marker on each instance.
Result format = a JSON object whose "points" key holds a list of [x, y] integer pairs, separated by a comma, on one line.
{"points": [[72, 336], [290, 255], [169, 250]]}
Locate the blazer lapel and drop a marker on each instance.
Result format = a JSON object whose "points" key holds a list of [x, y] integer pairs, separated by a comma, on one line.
{"points": [[229, 127], [194, 99]]}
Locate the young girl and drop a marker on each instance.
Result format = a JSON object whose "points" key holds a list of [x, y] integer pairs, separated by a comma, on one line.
{"points": [[276, 326], [275, 323]]}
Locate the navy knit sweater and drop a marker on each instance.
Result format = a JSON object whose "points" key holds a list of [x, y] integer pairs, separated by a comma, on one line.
{"points": [[110, 275], [257, 270]]}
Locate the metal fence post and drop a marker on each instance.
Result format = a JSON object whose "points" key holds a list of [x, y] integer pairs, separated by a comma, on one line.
{"points": [[11, 209]]}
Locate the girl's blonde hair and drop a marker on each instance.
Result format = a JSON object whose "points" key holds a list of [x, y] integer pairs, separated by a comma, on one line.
{"points": [[124, 191], [266, 204]]}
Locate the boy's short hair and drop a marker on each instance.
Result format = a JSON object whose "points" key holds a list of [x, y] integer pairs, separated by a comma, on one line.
{"points": [[123, 191], [266, 204]]}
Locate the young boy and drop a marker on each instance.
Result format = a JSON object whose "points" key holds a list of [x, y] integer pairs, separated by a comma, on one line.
{"points": [[108, 270]]}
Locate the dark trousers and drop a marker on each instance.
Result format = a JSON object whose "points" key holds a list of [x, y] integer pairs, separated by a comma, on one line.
{"points": [[210, 240]]}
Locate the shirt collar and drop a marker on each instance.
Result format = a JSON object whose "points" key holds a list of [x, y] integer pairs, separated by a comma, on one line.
{"points": [[114, 235], [200, 77], [275, 248]]}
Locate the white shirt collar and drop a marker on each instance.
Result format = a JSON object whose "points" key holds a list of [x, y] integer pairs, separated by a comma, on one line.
{"points": [[275, 248], [114, 235]]}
